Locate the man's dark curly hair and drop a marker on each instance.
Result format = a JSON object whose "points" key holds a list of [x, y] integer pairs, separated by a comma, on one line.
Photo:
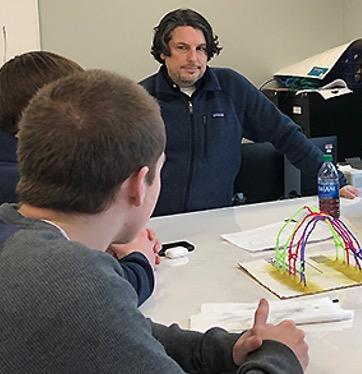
{"points": [[182, 17]]}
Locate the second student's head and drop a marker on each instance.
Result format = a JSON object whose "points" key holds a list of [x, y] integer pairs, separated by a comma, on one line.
{"points": [[22, 76]]}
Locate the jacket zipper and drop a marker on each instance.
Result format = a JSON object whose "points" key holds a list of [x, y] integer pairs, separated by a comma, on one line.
{"points": [[191, 112], [205, 134], [191, 108]]}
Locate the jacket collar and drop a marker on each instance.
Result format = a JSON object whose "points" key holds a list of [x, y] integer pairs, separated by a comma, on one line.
{"points": [[164, 84], [8, 145]]}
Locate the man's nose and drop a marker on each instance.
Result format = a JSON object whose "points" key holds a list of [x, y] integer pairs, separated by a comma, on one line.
{"points": [[192, 54]]}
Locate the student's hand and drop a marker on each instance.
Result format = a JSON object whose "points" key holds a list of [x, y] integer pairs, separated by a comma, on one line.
{"points": [[348, 191], [285, 332], [145, 242]]}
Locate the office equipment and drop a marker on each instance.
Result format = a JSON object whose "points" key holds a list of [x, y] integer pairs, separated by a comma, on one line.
{"points": [[343, 62], [340, 117]]}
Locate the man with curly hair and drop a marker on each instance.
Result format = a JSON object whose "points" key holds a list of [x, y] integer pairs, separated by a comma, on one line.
{"points": [[207, 112]]}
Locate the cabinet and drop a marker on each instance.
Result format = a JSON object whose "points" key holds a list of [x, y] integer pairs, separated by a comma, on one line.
{"points": [[340, 116]]}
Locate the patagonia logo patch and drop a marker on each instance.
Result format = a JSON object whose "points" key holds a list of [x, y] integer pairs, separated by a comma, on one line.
{"points": [[218, 115]]}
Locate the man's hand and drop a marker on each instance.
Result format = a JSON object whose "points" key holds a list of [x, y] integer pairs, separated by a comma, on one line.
{"points": [[145, 242], [285, 332], [348, 191]]}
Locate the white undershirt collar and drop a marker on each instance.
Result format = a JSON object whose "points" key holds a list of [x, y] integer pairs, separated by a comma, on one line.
{"points": [[188, 90], [58, 227]]}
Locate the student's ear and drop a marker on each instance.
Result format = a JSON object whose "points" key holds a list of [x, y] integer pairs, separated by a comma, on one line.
{"points": [[162, 56], [137, 186]]}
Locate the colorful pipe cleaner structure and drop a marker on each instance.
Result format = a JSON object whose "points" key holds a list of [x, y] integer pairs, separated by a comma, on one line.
{"points": [[291, 256]]}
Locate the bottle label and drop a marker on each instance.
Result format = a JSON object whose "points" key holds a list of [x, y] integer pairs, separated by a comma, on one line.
{"points": [[328, 191]]}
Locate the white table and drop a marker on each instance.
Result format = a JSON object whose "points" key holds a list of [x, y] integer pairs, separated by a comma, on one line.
{"points": [[212, 275]]}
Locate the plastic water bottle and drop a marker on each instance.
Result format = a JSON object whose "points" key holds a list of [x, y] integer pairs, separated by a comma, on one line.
{"points": [[328, 185]]}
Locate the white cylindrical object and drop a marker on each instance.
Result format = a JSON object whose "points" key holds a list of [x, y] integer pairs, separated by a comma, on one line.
{"points": [[176, 252]]}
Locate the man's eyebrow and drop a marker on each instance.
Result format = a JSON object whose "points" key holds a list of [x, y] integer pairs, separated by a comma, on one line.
{"points": [[183, 43]]}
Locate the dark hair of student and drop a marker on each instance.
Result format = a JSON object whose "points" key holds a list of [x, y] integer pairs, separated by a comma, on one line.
{"points": [[22, 76], [82, 136], [182, 17]]}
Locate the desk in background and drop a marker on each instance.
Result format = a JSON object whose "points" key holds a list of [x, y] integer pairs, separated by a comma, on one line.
{"points": [[212, 275]]}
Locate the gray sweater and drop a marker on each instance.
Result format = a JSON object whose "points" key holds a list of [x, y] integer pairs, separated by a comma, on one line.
{"points": [[68, 309]]}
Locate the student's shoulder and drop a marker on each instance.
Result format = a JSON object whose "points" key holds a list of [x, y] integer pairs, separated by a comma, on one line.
{"points": [[91, 264], [87, 275], [41, 245]]}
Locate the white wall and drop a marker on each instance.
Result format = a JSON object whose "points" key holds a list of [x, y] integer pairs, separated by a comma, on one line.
{"points": [[352, 23], [20, 19], [259, 36]]}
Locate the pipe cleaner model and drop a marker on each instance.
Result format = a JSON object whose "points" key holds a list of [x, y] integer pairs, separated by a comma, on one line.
{"points": [[291, 257]]}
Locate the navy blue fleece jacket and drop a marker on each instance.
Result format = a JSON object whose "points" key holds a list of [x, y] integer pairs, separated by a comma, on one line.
{"points": [[204, 134]]}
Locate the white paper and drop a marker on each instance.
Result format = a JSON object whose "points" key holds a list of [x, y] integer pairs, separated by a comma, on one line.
{"points": [[264, 237], [333, 89], [236, 317]]}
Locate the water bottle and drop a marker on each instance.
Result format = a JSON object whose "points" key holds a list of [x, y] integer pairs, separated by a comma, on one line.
{"points": [[328, 185]]}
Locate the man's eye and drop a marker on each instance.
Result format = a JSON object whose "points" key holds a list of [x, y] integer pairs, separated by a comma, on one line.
{"points": [[202, 49]]}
